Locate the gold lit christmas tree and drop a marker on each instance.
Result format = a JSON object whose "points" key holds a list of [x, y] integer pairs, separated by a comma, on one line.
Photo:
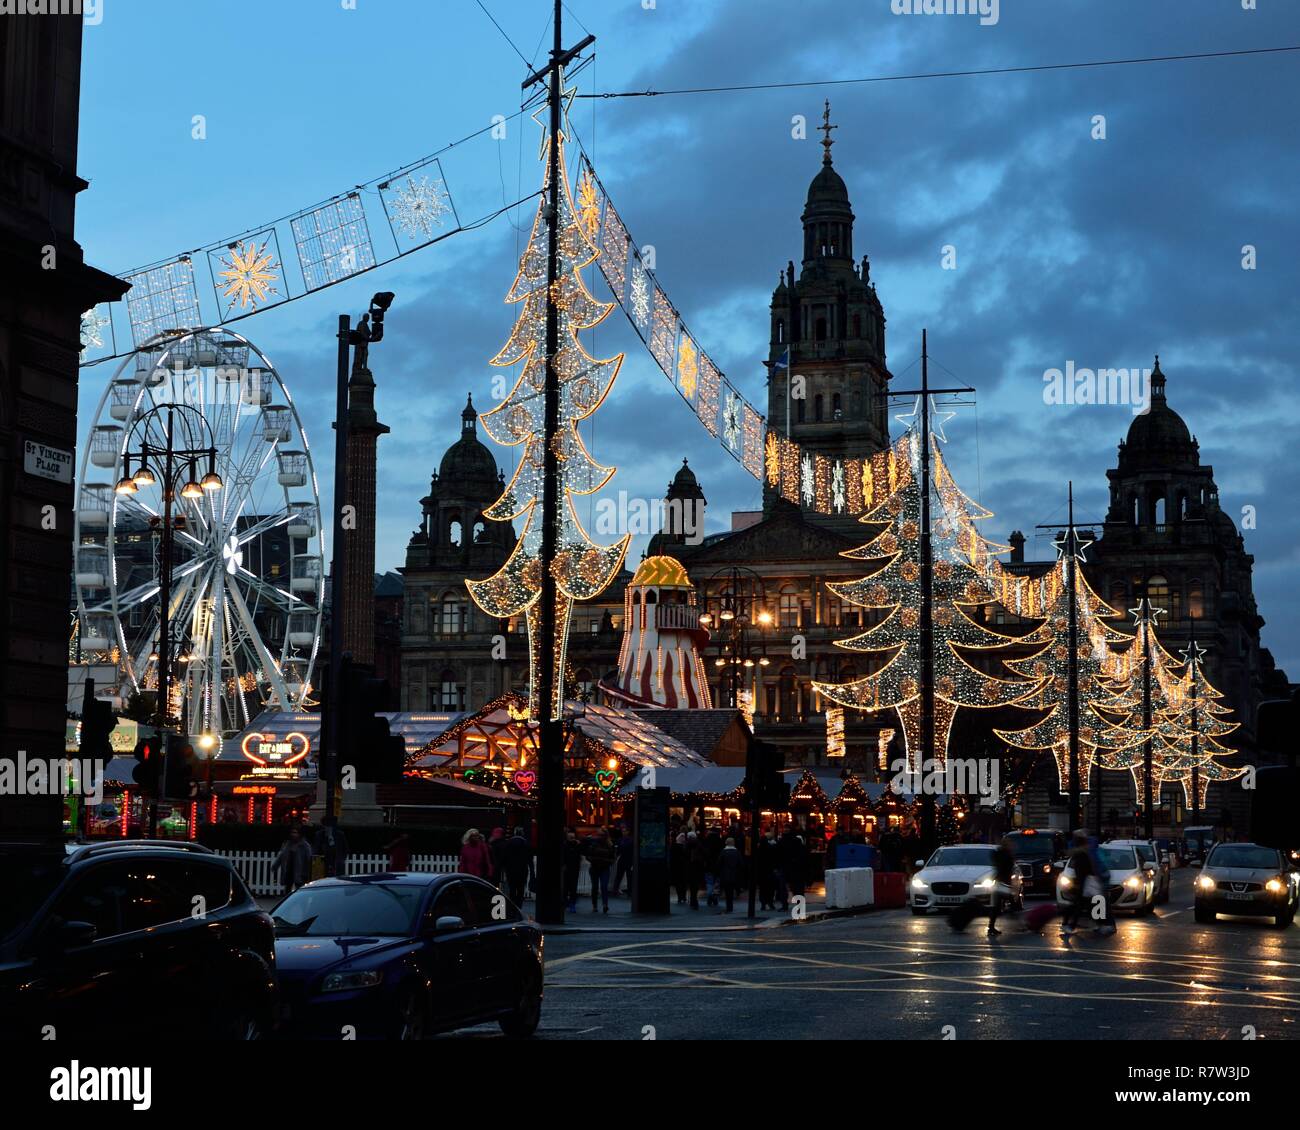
{"points": [[963, 573], [582, 569]]}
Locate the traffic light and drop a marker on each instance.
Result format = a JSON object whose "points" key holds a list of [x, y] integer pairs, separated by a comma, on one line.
{"points": [[365, 743], [180, 779], [97, 723], [148, 765], [764, 771]]}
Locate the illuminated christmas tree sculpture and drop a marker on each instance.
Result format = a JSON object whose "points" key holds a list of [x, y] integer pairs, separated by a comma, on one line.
{"points": [[1187, 716], [1049, 665], [581, 569], [962, 580]]}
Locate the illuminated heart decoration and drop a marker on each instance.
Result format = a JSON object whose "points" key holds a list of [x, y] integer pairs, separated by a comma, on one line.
{"points": [[606, 779], [525, 779]]}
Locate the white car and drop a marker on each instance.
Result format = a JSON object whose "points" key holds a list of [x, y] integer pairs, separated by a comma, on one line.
{"points": [[1133, 884], [956, 873]]}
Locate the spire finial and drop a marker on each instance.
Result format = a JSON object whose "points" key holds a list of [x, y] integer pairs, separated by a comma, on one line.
{"points": [[826, 128]]}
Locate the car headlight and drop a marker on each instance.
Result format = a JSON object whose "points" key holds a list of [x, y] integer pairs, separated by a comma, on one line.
{"points": [[919, 884], [1132, 882], [1047, 868], [359, 979], [1066, 882], [1204, 882], [986, 883], [1275, 886]]}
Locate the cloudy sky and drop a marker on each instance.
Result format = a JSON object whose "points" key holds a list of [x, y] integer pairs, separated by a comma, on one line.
{"points": [[1068, 248]]}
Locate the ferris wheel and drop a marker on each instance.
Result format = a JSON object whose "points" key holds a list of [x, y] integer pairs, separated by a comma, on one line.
{"points": [[246, 552]]}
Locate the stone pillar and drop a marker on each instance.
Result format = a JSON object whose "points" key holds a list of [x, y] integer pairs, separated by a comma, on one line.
{"points": [[364, 430]]}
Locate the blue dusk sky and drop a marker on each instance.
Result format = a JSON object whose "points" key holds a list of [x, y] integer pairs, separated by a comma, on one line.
{"points": [[1068, 249]]}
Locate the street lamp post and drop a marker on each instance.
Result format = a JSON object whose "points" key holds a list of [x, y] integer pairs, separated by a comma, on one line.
{"points": [[164, 464], [740, 614]]}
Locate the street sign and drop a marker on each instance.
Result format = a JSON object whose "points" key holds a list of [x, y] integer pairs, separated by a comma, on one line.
{"points": [[45, 462]]}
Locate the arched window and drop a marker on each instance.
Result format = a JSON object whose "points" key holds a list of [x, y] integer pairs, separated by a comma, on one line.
{"points": [[817, 408], [1195, 599], [454, 532], [480, 530], [586, 685], [837, 412], [789, 607], [1135, 505], [453, 616], [1159, 510], [800, 407], [780, 330], [1182, 504], [449, 691], [820, 332]]}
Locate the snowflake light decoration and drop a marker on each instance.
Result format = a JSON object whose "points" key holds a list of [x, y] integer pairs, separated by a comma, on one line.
{"points": [[91, 324], [420, 206], [688, 367], [588, 205], [837, 486], [731, 420], [250, 274], [807, 480], [640, 298]]}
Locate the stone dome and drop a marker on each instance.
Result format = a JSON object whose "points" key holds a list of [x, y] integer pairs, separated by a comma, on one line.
{"points": [[1160, 428], [468, 458]]}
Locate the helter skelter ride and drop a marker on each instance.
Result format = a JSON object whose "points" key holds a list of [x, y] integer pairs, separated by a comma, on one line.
{"points": [[247, 575]]}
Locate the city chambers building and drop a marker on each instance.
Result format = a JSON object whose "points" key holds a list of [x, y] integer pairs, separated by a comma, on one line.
{"points": [[1165, 537]]}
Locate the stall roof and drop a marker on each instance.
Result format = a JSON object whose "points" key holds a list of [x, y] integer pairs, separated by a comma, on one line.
{"points": [[632, 734], [719, 779], [700, 730]]}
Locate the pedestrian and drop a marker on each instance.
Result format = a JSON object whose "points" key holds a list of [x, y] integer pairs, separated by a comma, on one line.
{"points": [[623, 866], [572, 868], [694, 867], [712, 853], [1084, 883], [517, 865], [794, 858], [475, 859], [600, 858], [677, 862], [765, 861], [730, 863], [1102, 873], [332, 846], [399, 853], [496, 852], [294, 862], [1004, 863]]}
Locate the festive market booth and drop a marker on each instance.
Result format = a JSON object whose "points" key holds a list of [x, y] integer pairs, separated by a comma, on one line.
{"points": [[605, 749], [708, 796]]}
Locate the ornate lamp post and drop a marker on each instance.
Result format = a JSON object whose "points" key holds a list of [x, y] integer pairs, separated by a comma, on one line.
{"points": [[736, 615], [175, 469]]}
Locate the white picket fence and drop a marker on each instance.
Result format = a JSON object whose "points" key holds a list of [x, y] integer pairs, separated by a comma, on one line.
{"points": [[255, 869]]}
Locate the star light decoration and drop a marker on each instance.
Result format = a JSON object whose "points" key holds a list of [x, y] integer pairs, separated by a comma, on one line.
{"points": [[250, 274], [963, 563], [419, 206], [938, 417], [581, 568], [688, 367], [91, 325]]}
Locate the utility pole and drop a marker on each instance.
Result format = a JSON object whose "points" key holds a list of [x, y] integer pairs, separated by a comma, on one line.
{"points": [[550, 793], [1194, 667], [1148, 785], [927, 588]]}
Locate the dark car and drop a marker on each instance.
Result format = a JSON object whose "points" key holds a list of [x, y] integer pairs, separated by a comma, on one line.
{"points": [[132, 938], [1247, 879], [1035, 850], [397, 955]]}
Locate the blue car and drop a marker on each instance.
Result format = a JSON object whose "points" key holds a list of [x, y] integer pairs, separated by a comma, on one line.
{"points": [[399, 955]]}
